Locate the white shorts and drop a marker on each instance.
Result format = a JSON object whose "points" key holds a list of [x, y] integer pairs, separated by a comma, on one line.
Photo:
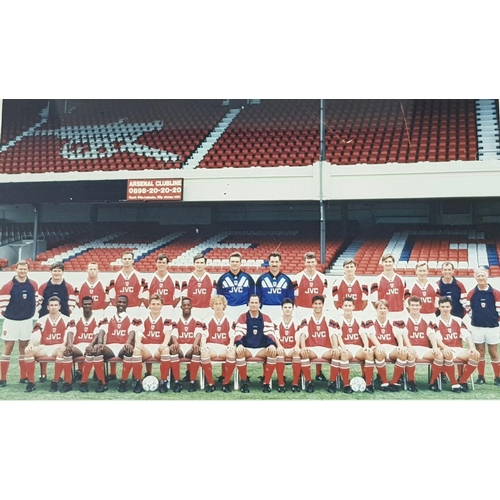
{"points": [[49, 350], [81, 347], [387, 348], [185, 348], [202, 314], [217, 348], [17, 330], [319, 351], [115, 348], [254, 350], [481, 335], [274, 312], [153, 349], [353, 349], [422, 351]]}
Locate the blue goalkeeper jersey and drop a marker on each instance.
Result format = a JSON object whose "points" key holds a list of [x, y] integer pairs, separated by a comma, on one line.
{"points": [[236, 288], [273, 289]]}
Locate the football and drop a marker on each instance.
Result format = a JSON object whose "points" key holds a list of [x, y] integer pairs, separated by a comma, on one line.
{"points": [[358, 384], [150, 383]]}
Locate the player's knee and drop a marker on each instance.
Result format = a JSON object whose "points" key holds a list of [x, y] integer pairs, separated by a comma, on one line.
{"points": [[137, 352], [344, 356], [369, 355], [475, 356]]}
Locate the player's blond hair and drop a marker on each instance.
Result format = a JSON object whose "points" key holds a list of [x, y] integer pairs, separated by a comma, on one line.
{"points": [[218, 298]]}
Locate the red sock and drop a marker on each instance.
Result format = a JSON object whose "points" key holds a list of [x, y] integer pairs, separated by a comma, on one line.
{"points": [[368, 372], [437, 368], [334, 369], [149, 368], [87, 368], [399, 368], [176, 366], [468, 370], [58, 369], [22, 367], [305, 367], [295, 370], [4, 366], [230, 365], [137, 367], [29, 363], [126, 367], [382, 370], [193, 368], [68, 369], [241, 364], [344, 372], [99, 368], [270, 366], [410, 370], [481, 367], [280, 370], [449, 369], [206, 366], [164, 366], [495, 364]]}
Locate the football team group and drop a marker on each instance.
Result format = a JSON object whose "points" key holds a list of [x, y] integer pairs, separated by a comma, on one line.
{"points": [[273, 319]]}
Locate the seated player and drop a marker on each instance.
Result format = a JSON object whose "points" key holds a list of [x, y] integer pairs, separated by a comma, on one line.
{"points": [[254, 337], [82, 342], [421, 343], [154, 340], [288, 346], [450, 333], [49, 338], [386, 339], [353, 344], [317, 338], [116, 339], [185, 343], [217, 341]]}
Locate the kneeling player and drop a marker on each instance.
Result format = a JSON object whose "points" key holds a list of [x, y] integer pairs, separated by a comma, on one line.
{"points": [[353, 344], [421, 343], [317, 338], [217, 341], [254, 336], [450, 333], [387, 342], [288, 341], [153, 342], [116, 339], [49, 338], [185, 343]]}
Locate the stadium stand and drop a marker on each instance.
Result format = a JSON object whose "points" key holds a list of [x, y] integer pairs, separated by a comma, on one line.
{"points": [[110, 135]]}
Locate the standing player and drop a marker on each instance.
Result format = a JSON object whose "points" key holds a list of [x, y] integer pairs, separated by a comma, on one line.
{"points": [[352, 344], [163, 285], [57, 286], [129, 283], [274, 286], [288, 341], [427, 293], [318, 338], [116, 338], [386, 337], [236, 286], [18, 300], [93, 287], [450, 333], [483, 306], [217, 341], [419, 339], [153, 341], [185, 343], [308, 284], [350, 286], [81, 341], [254, 336], [390, 287], [200, 288], [49, 338], [449, 286]]}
